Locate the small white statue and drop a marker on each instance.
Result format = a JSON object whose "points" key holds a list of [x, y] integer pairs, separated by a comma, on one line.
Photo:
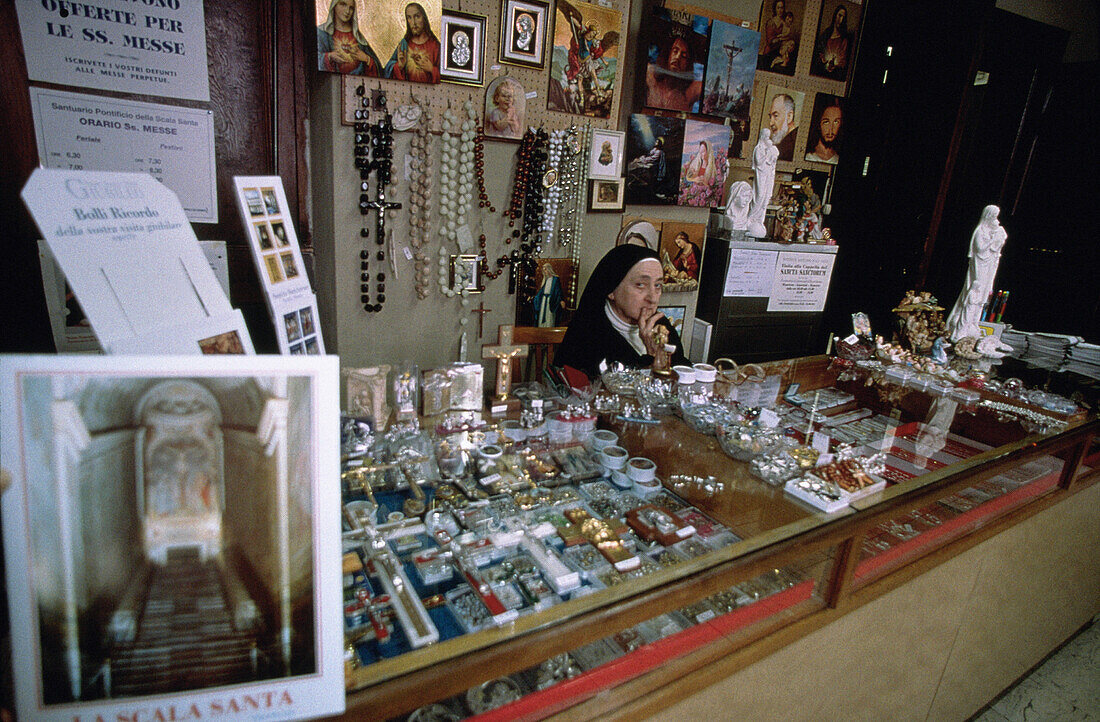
{"points": [[985, 255], [764, 156], [737, 209]]}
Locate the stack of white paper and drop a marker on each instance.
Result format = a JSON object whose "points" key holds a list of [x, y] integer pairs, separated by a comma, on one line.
{"points": [[1057, 352]]}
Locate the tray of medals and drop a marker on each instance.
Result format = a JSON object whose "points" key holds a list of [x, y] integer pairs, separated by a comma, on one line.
{"points": [[833, 486], [461, 542]]}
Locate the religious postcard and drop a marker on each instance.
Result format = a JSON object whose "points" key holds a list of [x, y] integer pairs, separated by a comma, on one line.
{"points": [[386, 39], [172, 536], [584, 61]]}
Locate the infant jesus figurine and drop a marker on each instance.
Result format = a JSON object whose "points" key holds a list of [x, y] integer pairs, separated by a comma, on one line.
{"points": [[662, 360]]}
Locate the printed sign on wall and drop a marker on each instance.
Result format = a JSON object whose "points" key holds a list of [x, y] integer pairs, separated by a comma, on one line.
{"points": [[146, 48]]}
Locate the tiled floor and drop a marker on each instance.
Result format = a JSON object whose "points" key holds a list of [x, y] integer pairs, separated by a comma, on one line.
{"points": [[1065, 687]]}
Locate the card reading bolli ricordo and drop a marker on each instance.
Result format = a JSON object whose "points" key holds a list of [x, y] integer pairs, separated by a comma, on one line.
{"points": [[131, 257]]}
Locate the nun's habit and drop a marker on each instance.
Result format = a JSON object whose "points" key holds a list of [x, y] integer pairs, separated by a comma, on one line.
{"points": [[592, 336]]}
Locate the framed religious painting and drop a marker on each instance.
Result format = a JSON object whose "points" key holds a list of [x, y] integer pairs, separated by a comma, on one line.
{"points": [[553, 276], [654, 147], [523, 26], [835, 40], [731, 66], [388, 39], [605, 159], [675, 316], [782, 112], [463, 53], [676, 55], [606, 195], [704, 162], [681, 254], [825, 138], [584, 60], [780, 35]]}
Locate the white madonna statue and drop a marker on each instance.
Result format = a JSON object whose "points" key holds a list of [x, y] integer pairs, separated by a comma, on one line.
{"points": [[985, 255], [764, 156]]}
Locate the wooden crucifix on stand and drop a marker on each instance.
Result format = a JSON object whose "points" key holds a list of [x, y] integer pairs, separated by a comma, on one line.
{"points": [[504, 353]]}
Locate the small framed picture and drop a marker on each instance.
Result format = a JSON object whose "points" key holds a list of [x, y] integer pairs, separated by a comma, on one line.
{"points": [[675, 316], [605, 159], [466, 273], [606, 195], [523, 32], [463, 54]]}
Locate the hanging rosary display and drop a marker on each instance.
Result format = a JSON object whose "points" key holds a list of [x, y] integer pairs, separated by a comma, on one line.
{"points": [[527, 207], [456, 193], [573, 221], [373, 153], [560, 182], [563, 216], [420, 202]]}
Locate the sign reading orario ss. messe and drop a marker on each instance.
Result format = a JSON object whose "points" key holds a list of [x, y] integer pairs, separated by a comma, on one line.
{"points": [[173, 144], [147, 47]]}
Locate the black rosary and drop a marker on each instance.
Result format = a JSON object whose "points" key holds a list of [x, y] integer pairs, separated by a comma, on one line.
{"points": [[526, 203], [373, 153]]}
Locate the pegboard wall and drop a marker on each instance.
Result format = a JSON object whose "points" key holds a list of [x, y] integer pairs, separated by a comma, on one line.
{"points": [[801, 81], [533, 80]]}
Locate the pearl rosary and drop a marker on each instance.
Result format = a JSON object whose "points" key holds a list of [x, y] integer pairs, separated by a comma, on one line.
{"points": [[420, 201], [457, 177]]}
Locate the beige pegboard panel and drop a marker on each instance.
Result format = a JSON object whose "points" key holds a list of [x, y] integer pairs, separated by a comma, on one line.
{"points": [[401, 92], [801, 81]]}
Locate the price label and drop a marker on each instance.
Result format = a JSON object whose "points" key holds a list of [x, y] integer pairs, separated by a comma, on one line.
{"points": [[769, 419]]}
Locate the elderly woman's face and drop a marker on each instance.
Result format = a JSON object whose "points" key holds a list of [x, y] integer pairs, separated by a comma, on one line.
{"points": [[639, 291]]}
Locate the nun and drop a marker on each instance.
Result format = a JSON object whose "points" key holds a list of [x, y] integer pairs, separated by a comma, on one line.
{"points": [[617, 314]]}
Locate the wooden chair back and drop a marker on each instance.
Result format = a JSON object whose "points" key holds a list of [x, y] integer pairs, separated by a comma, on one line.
{"points": [[542, 344]]}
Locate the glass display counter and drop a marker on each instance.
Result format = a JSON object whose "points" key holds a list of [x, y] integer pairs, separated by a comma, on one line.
{"points": [[516, 579]]}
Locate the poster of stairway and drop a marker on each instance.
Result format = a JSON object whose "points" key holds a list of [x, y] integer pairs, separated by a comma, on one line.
{"points": [[171, 536]]}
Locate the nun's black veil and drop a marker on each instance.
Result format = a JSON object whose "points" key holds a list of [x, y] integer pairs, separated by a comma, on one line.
{"points": [[606, 277], [590, 336]]}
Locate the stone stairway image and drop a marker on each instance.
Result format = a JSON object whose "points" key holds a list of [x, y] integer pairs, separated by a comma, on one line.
{"points": [[185, 635]]}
